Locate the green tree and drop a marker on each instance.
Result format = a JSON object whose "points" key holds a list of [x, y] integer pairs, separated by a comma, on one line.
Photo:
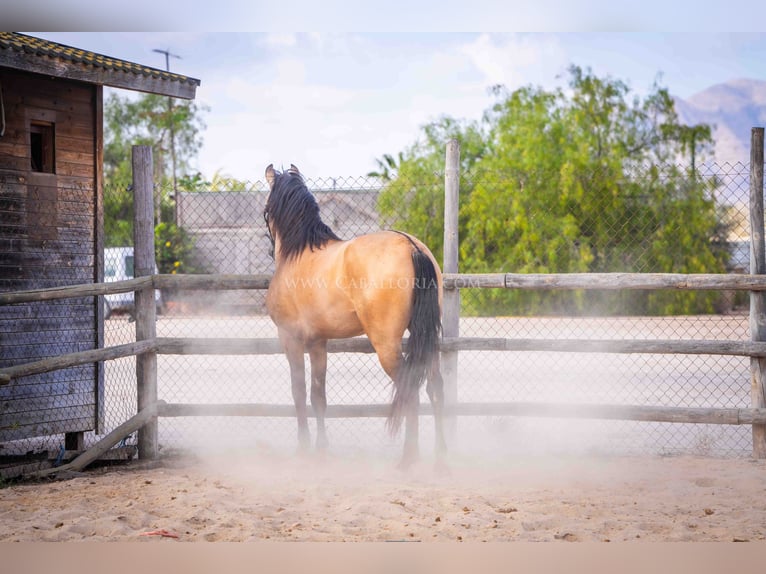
{"points": [[388, 166], [413, 198], [146, 120], [578, 180]]}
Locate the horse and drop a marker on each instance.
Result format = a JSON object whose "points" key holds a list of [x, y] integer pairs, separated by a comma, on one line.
{"points": [[379, 284]]}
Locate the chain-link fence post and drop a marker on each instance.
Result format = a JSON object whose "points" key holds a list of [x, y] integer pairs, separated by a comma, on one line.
{"points": [[143, 239], [757, 298]]}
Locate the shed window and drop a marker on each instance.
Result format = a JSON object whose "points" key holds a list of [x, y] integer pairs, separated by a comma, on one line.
{"points": [[42, 152]]}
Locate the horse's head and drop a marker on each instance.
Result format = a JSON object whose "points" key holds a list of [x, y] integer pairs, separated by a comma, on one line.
{"points": [[272, 176], [292, 215]]}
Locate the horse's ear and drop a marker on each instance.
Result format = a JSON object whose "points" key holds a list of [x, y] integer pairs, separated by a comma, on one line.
{"points": [[294, 169], [270, 175]]}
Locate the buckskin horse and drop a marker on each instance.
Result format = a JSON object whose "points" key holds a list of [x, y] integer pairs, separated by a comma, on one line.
{"points": [[379, 284]]}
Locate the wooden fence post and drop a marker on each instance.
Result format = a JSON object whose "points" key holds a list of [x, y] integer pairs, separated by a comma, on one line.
{"points": [[143, 260], [451, 302], [757, 298]]}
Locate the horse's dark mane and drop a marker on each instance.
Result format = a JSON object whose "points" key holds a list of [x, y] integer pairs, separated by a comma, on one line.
{"points": [[293, 213]]}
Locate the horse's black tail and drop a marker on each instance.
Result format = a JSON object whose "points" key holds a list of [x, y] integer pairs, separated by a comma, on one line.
{"points": [[425, 331]]}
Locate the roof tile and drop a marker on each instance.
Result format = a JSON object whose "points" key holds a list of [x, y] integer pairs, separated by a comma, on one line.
{"points": [[44, 48]]}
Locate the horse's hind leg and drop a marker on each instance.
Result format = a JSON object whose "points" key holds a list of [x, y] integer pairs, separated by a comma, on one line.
{"points": [[294, 352], [318, 356]]}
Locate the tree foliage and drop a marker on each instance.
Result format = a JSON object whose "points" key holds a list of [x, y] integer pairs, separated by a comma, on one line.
{"points": [[166, 125], [583, 179], [413, 199]]}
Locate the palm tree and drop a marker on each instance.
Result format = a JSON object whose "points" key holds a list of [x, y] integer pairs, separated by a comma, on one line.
{"points": [[388, 166]]}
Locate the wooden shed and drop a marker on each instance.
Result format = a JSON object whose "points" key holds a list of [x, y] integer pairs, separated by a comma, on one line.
{"points": [[51, 223]]}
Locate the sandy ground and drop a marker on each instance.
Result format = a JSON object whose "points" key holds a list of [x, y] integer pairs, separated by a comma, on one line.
{"points": [[256, 496]]}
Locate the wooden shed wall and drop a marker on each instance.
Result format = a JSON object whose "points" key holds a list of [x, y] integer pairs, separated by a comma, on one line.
{"points": [[48, 238]]}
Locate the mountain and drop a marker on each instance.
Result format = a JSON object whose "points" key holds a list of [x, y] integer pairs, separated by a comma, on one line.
{"points": [[732, 109]]}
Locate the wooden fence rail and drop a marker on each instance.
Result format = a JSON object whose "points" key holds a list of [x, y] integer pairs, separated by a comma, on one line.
{"points": [[609, 281], [149, 345], [692, 415], [521, 281], [251, 346]]}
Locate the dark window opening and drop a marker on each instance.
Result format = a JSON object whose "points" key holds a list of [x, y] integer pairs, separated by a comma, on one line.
{"points": [[41, 139]]}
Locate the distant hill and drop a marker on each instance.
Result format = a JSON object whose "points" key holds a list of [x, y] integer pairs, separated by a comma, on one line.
{"points": [[732, 108]]}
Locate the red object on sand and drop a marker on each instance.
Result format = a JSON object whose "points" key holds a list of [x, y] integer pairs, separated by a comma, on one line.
{"points": [[164, 533]]}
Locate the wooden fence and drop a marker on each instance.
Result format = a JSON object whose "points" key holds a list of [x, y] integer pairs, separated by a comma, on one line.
{"points": [[148, 345]]}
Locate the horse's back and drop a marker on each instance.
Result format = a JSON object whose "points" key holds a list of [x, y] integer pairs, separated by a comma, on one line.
{"points": [[386, 253], [347, 287]]}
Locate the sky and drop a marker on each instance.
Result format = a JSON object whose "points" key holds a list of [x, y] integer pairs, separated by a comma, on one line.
{"points": [[333, 102]]}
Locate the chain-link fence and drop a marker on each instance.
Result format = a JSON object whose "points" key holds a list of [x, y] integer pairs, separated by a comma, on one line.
{"points": [[226, 234], [658, 221]]}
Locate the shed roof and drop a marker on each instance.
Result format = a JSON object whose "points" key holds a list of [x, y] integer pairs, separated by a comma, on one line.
{"points": [[36, 55]]}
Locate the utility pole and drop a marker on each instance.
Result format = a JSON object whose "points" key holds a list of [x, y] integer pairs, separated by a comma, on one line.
{"points": [[168, 55]]}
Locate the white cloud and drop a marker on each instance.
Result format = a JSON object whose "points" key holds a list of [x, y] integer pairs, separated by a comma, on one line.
{"points": [[517, 60], [330, 107]]}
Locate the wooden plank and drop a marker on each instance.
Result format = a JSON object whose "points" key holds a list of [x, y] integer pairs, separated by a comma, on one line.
{"points": [[49, 416], [78, 156], [247, 346], [61, 309], [97, 193], [74, 140], [144, 265], [73, 261], [14, 161], [45, 347], [151, 83], [76, 340], [757, 299], [40, 422], [26, 388], [66, 292], [24, 88], [608, 281], [127, 452], [474, 280], [47, 428], [78, 193], [74, 170], [73, 359], [26, 327], [202, 346], [139, 421], [532, 281], [61, 382], [212, 282], [638, 346], [729, 416], [54, 408], [22, 469], [26, 465]]}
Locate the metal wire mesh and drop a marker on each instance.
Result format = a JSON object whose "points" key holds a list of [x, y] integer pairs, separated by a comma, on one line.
{"points": [[229, 236], [224, 232]]}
